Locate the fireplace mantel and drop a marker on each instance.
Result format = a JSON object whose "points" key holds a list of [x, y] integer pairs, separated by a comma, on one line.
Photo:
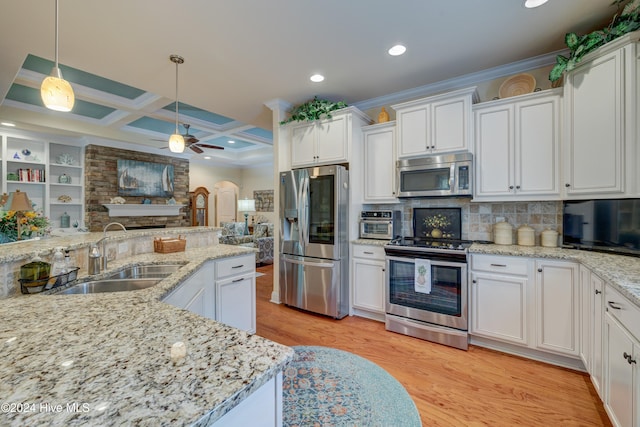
{"points": [[130, 209]]}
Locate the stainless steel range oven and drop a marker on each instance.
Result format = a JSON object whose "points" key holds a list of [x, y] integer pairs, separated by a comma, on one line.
{"points": [[427, 289]]}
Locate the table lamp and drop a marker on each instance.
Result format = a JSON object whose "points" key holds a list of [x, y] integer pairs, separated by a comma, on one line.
{"points": [[246, 206], [19, 202]]}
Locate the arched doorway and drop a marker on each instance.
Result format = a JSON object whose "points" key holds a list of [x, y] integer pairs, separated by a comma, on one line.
{"points": [[226, 193]]}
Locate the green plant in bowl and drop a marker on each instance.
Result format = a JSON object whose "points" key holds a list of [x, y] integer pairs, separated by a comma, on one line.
{"points": [[314, 110]]}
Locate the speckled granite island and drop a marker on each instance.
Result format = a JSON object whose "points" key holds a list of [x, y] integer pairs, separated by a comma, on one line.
{"points": [[104, 359]]}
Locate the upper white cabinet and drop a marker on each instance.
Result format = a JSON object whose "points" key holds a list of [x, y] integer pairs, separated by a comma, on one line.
{"points": [[437, 124], [328, 141], [52, 175], [380, 163], [517, 148], [601, 100]]}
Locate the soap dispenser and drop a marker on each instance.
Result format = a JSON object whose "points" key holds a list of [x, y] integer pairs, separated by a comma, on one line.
{"points": [[58, 266]]}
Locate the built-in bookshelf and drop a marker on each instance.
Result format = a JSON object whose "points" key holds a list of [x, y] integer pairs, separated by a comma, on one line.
{"points": [[51, 173]]}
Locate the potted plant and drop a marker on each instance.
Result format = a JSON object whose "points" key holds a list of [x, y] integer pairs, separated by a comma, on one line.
{"points": [[314, 110], [579, 46]]}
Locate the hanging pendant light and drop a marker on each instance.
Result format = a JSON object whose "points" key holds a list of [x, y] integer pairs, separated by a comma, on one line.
{"points": [[176, 141], [55, 91]]}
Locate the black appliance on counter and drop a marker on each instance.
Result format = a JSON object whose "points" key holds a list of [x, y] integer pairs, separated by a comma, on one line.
{"points": [[607, 225], [427, 285]]}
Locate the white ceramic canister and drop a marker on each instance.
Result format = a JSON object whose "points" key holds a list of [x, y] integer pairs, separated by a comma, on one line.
{"points": [[526, 236], [503, 233], [549, 238]]}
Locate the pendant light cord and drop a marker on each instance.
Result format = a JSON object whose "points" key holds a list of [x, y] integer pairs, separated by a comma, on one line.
{"points": [[56, 33], [176, 96]]}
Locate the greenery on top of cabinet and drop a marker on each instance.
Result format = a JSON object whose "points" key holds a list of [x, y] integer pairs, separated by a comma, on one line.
{"points": [[314, 110], [579, 46]]}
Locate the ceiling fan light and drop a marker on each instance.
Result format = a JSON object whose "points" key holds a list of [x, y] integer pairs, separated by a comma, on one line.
{"points": [[57, 93], [176, 143], [530, 4]]}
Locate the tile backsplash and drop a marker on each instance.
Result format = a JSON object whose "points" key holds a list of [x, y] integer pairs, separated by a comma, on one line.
{"points": [[478, 217]]}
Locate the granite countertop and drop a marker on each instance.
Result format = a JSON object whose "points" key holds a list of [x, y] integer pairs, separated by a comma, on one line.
{"points": [[621, 271], [109, 354], [370, 242]]}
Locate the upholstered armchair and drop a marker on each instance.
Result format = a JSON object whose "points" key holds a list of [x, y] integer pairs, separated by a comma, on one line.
{"points": [[262, 239]]}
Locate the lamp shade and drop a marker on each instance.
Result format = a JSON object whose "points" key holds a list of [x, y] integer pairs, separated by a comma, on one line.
{"points": [[176, 143], [18, 201], [56, 92], [246, 205]]}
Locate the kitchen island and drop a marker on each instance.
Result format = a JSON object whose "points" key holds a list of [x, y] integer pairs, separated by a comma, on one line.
{"points": [[105, 359]]}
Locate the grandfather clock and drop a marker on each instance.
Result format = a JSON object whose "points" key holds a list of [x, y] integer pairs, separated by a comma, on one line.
{"points": [[200, 207]]}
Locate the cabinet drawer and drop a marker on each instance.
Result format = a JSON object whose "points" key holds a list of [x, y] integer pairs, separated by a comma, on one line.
{"points": [[236, 265], [500, 264], [626, 312], [366, 251]]}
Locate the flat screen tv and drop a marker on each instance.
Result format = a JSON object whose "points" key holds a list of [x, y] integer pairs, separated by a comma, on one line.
{"points": [[611, 225]]}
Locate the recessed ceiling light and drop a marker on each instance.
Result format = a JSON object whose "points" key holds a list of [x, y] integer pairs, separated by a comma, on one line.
{"points": [[207, 157], [231, 141], [316, 78], [8, 124], [397, 50], [534, 3]]}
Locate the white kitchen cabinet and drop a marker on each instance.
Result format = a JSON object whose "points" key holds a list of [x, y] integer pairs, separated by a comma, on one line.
{"points": [[586, 316], [380, 163], [437, 124], [597, 305], [368, 284], [235, 292], [601, 122], [500, 298], [197, 292], [327, 141], [262, 408], [622, 354], [517, 148], [557, 307]]}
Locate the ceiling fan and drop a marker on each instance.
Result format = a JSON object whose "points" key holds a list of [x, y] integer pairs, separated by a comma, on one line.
{"points": [[194, 143]]}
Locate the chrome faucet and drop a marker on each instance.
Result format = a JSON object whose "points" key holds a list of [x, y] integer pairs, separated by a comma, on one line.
{"points": [[101, 243]]}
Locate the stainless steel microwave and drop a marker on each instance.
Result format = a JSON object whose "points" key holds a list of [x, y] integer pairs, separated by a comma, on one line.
{"points": [[446, 175]]}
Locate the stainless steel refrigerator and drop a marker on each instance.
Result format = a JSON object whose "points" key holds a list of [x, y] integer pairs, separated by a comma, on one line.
{"points": [[314, 258]]}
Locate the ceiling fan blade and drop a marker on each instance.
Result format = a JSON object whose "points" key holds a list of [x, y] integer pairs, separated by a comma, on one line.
{"points": [[189, 139], [215, 147], [196, 149]]}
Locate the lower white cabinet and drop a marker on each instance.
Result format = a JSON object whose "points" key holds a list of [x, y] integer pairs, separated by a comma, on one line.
{"points": [[222, 290], [499, 298], [531, 303], [591, 310], [621, 357], [236, 292], [262, 408], [368, 284], [196, 293], [557, 307]]}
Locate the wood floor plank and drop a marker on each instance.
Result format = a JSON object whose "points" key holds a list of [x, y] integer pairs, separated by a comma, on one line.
{"points": [[450, 387]]}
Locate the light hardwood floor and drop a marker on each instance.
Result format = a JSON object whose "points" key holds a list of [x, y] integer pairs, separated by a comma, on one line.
{"points": [[450, 387]]}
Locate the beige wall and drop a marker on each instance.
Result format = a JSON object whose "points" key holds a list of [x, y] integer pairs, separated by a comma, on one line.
{"points": [[259, 178]]}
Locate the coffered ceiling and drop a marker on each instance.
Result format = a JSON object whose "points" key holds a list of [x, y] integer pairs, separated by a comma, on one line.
{"points": [[242, 54]]}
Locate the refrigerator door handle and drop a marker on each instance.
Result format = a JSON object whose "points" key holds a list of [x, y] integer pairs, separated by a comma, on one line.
{"points": [[313, 263], [304, 215]]}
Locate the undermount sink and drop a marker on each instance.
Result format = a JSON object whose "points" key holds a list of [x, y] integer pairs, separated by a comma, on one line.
{"points": [[110, 285], [131, 278], [158, 271]]}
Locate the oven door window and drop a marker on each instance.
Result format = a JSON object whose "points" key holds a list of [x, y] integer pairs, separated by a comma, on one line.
{"points": [[446, 284], [379, 228]]}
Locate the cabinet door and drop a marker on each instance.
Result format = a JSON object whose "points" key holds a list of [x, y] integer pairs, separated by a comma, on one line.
{"points": [[494, 151], [499, 307], [332, 142], [368, 285], [597, 289], [557, 305], [450, 125], [594, 98], [380, 165], [236, 302], [413, 131], [303, 144], [537, 147], [196, 293], [619, 373], [586, 318]]}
